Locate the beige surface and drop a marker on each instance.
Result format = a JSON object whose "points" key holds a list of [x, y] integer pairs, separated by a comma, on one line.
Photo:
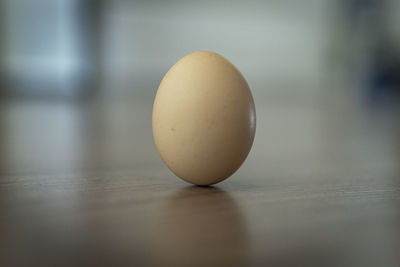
{"points": [[203, 118]]}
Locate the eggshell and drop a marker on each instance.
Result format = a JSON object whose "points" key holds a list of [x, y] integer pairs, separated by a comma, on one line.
{"points": [[203, 118]]}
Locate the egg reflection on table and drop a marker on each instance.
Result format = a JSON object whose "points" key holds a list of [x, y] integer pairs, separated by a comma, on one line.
{"points": [[203, 118], [200, 227]]}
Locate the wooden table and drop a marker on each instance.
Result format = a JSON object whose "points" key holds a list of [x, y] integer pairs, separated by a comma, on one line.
{"points": [[81, 184]]}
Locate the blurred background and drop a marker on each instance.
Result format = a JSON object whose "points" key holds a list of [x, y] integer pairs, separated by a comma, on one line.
{"points": [[78, 79]]}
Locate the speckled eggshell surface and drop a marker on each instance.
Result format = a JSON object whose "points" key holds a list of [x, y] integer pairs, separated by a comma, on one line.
{"points": [[203, 118]]}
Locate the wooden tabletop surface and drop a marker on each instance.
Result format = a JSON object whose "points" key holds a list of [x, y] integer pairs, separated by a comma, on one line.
{"points": [[81, 184]]}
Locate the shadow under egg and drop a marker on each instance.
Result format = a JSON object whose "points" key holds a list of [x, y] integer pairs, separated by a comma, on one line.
{"points": [[200, 226]]}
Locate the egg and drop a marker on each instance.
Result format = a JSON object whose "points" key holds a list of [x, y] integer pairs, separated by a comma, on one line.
{"points": [[204, 118]]}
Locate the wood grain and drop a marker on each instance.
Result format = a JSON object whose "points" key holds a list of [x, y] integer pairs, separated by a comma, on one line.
{"points": [[81, 184]]}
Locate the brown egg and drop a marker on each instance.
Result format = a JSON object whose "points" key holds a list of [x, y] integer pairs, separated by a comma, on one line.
{"points": [[203, 118]]}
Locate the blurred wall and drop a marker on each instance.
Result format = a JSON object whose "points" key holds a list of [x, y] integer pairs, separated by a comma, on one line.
{"points": [[119, 48], [278, 45], [49, 47]]}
